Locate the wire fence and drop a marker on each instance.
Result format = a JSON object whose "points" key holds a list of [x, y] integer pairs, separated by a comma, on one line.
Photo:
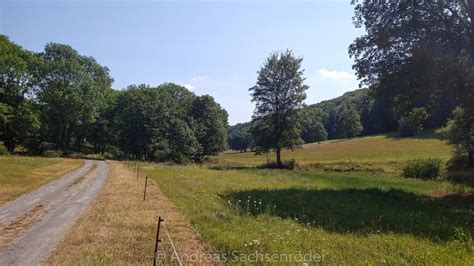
{"points": [[161, 246]]}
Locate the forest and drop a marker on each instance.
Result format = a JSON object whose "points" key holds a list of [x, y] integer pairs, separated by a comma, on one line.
{"points": [[59, 102]]}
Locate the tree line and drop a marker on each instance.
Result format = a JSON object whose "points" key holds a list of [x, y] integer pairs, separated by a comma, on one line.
{"points": [[59, 100]]}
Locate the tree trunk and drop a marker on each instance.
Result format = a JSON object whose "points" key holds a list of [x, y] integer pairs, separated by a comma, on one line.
{"points": [[278, 154], [10, 145]]}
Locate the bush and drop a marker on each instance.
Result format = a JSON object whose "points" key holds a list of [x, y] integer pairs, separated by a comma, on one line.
{"points": [[412, 122], [425, 169], [290, 165], [3, 150]]}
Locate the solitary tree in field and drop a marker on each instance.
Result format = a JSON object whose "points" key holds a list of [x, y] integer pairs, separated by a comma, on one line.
{"points": [[279, 92]]}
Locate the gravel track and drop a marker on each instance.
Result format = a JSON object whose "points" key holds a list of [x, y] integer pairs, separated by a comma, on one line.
{"points": [[63, 201]]}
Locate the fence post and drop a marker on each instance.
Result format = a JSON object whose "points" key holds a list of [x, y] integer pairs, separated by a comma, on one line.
{"points": [[157, 239], [144, 192]]}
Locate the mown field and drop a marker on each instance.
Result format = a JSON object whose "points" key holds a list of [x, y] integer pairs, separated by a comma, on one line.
{"points": [[383, 152], [349, 217], [20, 174]]}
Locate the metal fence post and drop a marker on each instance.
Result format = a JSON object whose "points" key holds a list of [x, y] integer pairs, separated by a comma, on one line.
{"points": [[157, 240]]}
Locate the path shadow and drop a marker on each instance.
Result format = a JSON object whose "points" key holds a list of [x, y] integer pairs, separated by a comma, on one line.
{"points": [[355, 211]]}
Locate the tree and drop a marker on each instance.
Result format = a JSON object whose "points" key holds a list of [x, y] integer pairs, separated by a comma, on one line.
{"points": [[278, 94], [402, 34], [460, 132], [71, 90], [412, 122], [239, 137], [348, 125], [210, 125], [312, 128], [18, 117]]}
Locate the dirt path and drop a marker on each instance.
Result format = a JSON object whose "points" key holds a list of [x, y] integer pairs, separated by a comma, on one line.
{"points": [[38, 220], [120, 227]]}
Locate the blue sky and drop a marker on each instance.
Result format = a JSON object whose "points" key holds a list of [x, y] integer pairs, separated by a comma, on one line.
{"points": [[212, 48]]}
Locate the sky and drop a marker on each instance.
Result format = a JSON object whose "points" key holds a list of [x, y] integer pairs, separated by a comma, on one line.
{"points": [[210, 47]]}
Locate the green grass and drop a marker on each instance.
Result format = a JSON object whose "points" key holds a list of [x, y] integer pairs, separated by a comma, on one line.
{"points": [[352, 218], [383, 152]]}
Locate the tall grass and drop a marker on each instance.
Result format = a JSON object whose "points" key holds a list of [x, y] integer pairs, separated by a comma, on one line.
{"points": [[347, 217]]}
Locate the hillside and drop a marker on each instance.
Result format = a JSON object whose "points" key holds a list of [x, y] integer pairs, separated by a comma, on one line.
{"points": [[386, 152]]}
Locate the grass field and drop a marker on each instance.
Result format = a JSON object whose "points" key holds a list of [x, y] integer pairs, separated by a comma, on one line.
{"points": [[20, 174], [347, 217], [383, 152]]}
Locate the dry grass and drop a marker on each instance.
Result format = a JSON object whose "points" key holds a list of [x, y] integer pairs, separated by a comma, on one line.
{"points": [[384, 153], [19, 175], [120, 227]]}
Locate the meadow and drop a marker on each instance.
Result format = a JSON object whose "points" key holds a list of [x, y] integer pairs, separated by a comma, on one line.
{"points": [[348, 217], [19, 174], [382, 152]]}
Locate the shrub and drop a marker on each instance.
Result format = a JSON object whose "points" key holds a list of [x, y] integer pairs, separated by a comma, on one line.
{"points": [[290, 165], [412, 122], [425, 169], [3, 150], [460, 132]]}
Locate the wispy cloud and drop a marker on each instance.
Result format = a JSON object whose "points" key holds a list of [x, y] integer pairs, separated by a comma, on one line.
{"points": [[199, 78], [189, 87], [334, 74]]}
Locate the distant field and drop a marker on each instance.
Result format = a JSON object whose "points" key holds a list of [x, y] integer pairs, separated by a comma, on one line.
{"points": [[378, 150], [20, 174], [348, 217]]}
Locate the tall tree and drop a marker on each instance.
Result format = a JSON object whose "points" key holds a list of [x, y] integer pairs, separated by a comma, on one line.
{"points": [[71, 89], [210, 125], [348, 125], [19, 118], [239, 137], [278, 94], [399, 33]]}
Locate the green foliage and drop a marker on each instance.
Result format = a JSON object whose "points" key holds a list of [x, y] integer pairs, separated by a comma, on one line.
{"points": [[210, 125], [460, 132], [168, 123], [3, 150], [423, 168], [413, 55], [312, 128], [18, 117], [412, 122], [278, 94], [71, 90], [239, 137], [348, 125]]}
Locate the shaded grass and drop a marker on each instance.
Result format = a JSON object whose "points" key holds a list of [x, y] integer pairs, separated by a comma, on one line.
{"points": [[347, 217], [20, 174]]}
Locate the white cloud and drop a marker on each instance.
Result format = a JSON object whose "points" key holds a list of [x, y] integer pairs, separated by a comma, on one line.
{"points": [[189, 87], [333, 74], [199, 78]]}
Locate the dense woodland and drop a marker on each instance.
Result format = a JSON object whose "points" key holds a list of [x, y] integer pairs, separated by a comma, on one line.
{"points": [[59, 100]]}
